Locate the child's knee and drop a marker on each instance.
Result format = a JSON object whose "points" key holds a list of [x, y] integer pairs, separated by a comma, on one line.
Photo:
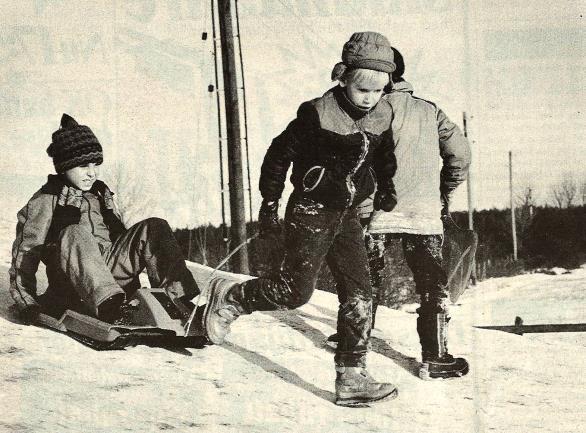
{"points": [[433, 302], [294, 295], [299, 298], [157, 224], [75, 233]]}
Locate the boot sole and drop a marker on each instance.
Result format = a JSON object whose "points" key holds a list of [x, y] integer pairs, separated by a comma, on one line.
{"points": [[425, 374], [210, 307], [363, 402]]}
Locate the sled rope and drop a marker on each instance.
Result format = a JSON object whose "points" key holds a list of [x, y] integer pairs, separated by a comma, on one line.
{"points": [[234, 251], [457, 267], [202, 298]]}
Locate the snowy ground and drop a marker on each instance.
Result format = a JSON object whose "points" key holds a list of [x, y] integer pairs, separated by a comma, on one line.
{"points": [[275, 375]]}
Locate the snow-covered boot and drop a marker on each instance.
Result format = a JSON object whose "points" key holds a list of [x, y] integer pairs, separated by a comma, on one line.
{"points": [[221, 310], [332, 341], [437, 362], [355, 387]]}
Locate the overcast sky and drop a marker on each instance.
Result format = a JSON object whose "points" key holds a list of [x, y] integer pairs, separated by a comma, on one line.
{"points": [[137, 73]]}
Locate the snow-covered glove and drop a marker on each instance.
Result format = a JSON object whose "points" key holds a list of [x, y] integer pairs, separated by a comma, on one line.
{"points": [[385, 200], [268, 219]]}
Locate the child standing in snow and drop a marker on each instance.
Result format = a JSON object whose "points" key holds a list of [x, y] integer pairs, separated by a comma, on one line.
{"points": [[334, 144], [92, 261], [423, 134]]}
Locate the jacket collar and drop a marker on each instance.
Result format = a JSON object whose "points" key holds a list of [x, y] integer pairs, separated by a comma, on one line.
{"points": [[353, 111], [402, 86], [56, 182], [54, 185]]}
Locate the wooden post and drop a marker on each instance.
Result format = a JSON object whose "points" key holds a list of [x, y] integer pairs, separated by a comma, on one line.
{"points": [[235, 177], [469, 181], [211, 88], [473, 274], [513, 225]]}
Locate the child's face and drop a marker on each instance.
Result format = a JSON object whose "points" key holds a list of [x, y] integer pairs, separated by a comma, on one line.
{"points": [[365, 94], [83, 176]]}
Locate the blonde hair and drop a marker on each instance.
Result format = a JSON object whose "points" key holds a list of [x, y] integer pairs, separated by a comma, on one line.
{"points": [[344, 74]]}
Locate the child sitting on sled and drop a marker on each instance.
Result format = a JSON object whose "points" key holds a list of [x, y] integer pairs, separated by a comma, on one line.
{"points": [[92, 260]]}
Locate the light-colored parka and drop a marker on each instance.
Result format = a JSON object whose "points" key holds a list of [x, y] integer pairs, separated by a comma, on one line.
{"points": [[36, 221], [433, 157]]}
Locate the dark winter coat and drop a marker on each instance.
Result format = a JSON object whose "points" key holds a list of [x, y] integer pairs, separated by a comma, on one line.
{"points": [[322, 144], [51, 209]]}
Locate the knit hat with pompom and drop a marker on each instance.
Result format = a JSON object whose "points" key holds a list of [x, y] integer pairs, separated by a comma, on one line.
{"points": [[74, 145]]}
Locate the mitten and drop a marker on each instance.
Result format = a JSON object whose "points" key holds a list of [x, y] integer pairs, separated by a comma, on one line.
{"points": [[268, 219], [385, 200]]}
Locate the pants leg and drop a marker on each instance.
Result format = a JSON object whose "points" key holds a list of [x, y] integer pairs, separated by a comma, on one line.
{"points": [[81, 261], [151, 244], [348, 262], [424, 257], [309, 232], [375, 247]]}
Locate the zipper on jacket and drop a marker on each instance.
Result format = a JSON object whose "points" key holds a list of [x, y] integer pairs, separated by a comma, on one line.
{"points": [[349, 182], [89, 214]]}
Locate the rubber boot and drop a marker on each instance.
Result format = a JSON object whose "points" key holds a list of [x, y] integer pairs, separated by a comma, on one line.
{"points": [[221, 310], [437, 362], [356, 387], [110, 309]]}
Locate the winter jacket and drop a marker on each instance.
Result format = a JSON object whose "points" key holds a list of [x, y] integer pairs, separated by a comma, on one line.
{"points": [[425, 140], [51, 209], [321, 144]]}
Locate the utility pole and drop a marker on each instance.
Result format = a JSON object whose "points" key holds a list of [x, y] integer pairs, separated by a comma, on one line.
{"points": [[470, 197], [469, 180], [513, 225], [235, 177]]}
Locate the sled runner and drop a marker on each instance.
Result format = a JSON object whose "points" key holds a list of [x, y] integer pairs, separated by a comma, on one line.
{"points": [[520, 328], [458, 252], [150, 318]]}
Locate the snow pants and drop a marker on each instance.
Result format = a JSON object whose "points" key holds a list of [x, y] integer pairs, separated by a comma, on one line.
{"points": [[84, 272], [314, 235], [423, 254]]}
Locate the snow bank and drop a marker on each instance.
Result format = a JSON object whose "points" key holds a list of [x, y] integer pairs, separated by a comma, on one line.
{"points": [[275, 375]]}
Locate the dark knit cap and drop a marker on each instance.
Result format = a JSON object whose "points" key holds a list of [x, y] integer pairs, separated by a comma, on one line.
{"points": [[74, 145], [369, 50]]}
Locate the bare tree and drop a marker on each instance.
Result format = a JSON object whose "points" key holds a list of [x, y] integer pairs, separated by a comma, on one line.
{"points": [[564, 192], [525, 198], [525, 204], [130, 195]]}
